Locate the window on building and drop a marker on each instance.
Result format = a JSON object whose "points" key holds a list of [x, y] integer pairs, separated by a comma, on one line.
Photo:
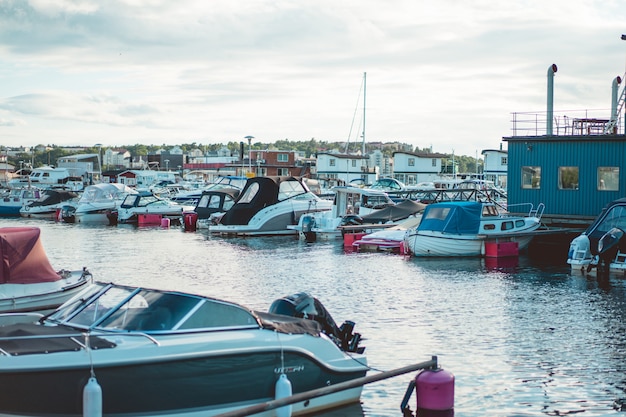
{"points": [[568, 178], [354, 162], [283, 171], [331, 162], [504, 160], [411, 162], [283, 157], [608, 178], [531, 177], [434, 162]]}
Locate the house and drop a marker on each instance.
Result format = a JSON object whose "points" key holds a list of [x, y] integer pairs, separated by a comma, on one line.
{"points": [[496, 166], [345, 168], [412, 168]]}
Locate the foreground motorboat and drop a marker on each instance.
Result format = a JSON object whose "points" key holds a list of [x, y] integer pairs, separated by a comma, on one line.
{"points": [[350, 205], [166, 353], [603, 244], [268, 206], [463, 228], [28, 283], [48, 205], [145, 204], [96, 203]]}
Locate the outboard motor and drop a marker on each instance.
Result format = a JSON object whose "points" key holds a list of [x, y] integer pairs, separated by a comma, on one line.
{"points": [[303, 305], [608, 245]]}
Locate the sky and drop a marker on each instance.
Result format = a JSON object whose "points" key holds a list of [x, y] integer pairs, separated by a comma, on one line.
{"points": [[446, 74]]}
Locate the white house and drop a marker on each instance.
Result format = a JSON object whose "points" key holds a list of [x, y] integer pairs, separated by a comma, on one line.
{"points": [[345, 168], [412, 168], [496, 166]]}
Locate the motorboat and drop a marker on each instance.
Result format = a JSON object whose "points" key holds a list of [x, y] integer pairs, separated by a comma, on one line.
{"points": [[145, 204], [191, 197], [602, 244], [50, 177], [349, 206], [213, 203], [28, 283], [96, 203], [49, 204], [12, 202], [268, 205], [463, 228], [136, 351]]}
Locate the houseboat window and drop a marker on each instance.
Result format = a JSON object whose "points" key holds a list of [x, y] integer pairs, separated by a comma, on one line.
{"points": [[504, 160], [353, 162], [568, 178], [331, 162], [411, 162], [608, 178], [531, 177], [434, 162]]}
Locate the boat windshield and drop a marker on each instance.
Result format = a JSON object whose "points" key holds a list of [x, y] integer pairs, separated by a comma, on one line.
{"points": [[121, 308]]}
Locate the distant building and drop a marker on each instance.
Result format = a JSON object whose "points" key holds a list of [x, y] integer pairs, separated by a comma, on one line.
{"points": [[496, 165], [412, 168], [345, 168]]}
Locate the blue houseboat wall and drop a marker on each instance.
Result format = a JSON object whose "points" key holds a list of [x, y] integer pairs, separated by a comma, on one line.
{"points": [[591, 156]]}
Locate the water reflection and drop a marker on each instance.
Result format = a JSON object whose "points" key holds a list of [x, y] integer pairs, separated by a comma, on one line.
{"points": [[524, 337]]}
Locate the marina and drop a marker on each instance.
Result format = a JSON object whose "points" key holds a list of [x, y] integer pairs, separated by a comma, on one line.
{"points": [[524, 336]]}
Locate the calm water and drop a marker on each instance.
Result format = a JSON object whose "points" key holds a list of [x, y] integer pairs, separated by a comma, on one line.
{"points": [[522, 340]]}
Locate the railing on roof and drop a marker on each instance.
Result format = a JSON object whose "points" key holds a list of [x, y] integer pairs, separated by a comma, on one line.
{"points": [[566, 123]]}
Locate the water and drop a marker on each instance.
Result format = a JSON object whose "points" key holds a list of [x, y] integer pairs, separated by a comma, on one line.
{"points": [[528, 339]]}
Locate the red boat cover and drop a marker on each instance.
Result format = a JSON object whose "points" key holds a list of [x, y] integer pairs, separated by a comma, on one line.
{"points": [[24, 260]]}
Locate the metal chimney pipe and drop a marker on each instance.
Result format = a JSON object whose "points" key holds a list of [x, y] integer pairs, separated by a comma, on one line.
{"points": [[614, 93], [550, 111]]}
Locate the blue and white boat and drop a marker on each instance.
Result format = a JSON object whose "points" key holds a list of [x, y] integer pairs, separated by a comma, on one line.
{"points": [[166, 353], [12, 202], [462, 228]]}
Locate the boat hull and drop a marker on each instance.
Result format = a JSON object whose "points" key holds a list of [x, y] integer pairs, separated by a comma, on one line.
{"points": [[440, 244], [203, 385]]}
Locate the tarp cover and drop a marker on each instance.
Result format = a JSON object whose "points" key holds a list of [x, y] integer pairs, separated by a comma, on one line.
{"points": [[24, 260], [457, 217], [394, 213]]}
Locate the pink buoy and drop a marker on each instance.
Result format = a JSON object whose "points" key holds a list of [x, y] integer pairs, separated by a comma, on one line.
{"points": [[435, 390]]}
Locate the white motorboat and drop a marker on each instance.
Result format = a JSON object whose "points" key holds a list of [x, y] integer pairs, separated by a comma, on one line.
{"points": [[28, 283], [146, 352], [389, 239], [144, 204], [268, 206], [349, 206], [602, 244], [48, 205], [97, 202], [462, 228]]}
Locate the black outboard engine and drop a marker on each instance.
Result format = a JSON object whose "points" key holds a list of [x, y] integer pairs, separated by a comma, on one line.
{"points": [[608, 245], [305, 306]]}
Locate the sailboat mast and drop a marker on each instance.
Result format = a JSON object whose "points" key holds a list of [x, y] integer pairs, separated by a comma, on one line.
{"points": [[364, 92]]}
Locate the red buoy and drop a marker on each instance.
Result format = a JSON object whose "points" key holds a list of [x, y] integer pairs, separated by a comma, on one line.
{"points": [[190, 218], [435, 390]]}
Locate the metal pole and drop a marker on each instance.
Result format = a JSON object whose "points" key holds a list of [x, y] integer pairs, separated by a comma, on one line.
{"points": [[307, 395]]}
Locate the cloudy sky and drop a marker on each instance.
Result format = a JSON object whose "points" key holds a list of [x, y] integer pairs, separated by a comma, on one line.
{"points": [[444, 73]]}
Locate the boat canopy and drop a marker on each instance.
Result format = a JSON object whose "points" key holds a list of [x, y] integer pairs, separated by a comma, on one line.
{"points": [[259, 193], [457, 217], [51, 197], [24, 260]]}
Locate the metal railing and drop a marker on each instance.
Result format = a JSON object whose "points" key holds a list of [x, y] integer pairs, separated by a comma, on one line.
{"points": [[566, 123]]}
